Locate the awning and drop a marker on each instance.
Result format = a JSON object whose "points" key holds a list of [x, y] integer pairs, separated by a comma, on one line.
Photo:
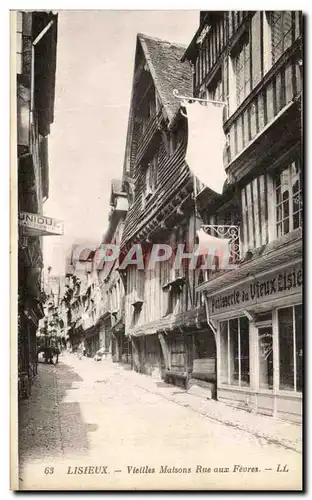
{"points": [[188, 321], [91, 332]]}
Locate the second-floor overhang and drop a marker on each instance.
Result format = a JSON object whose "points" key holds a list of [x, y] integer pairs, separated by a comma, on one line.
{"points": [[104, 318], [118, 328], [174, 201], [280, 135], [186, 322], [275, 255], [275, 104], [92, 331]]}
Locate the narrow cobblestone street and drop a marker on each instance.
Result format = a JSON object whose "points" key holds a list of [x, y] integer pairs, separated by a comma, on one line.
{"points": [[79, 409]]}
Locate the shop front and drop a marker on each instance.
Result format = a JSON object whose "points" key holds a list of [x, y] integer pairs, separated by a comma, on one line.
{"points": [[258, 324], [92, 340]]}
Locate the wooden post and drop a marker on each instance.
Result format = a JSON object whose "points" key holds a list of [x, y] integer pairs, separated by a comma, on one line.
{"points": [[275, 360], [165, 350]]}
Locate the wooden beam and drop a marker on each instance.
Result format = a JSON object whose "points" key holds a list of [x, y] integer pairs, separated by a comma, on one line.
{"points": [[165, 351]]}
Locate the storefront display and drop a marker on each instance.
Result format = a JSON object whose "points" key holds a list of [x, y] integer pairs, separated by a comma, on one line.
{"points": [[259, 334]]}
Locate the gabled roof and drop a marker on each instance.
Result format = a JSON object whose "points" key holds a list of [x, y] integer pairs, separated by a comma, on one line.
{"points": [[167, 70], [168, 73]]}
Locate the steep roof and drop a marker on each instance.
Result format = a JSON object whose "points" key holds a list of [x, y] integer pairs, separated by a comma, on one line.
{"points": [[163, 60], [167, 70]]}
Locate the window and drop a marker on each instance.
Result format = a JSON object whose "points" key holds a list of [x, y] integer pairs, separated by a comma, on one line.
{"points": [[266, 43], [281, 32], [174, 299], [290, 348], [136, 314], [150, 178], [214, 90], [19, 42], [288, 191], [242, 69], [148, 110], [176, 138], [234, 343]]}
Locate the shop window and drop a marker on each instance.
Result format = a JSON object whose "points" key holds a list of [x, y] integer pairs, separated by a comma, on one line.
{"points": [[290, 348], [234, 343], [288, 191], [265, 336]]}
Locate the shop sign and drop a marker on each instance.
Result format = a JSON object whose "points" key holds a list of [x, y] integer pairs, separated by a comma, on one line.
{"points": [[274, 285], [40, 225]]}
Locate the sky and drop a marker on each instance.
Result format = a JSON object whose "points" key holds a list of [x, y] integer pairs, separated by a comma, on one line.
{"points": [[95, 57]]}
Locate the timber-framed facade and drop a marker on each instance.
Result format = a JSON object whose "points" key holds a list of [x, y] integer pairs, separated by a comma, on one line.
{"points": [[164, 316], [253, 61]]}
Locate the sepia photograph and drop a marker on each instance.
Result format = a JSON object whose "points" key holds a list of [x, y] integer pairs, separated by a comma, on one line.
{"points": [[156, 250]]}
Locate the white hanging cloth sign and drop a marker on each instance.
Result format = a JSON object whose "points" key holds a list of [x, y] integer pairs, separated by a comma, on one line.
{"points": [[206, 141], [209, 245]]}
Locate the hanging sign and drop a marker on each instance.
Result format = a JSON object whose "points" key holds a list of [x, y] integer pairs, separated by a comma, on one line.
{"points": [[40, 225]]}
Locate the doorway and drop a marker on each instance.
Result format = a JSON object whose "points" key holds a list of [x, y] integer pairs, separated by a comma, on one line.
{"points": [[265, 343]]}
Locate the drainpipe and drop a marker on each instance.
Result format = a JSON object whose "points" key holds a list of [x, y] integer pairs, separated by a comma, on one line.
{"points": [[210, 323]]}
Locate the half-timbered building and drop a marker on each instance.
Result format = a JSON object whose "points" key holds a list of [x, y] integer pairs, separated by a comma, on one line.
{"points": [[110, 282], [164, 317], [252, 61]]}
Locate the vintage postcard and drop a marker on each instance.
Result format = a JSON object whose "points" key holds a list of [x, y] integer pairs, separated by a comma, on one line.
{"points": [[156, 234]]}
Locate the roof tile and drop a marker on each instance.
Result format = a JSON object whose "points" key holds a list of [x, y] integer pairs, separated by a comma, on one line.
{"points": [[168, 71]]}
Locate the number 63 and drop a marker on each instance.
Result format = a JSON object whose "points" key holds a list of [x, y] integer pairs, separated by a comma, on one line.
{"points": [[49, 470]]}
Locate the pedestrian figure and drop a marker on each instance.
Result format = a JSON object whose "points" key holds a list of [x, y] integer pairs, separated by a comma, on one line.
{"points": [[81, 350]]}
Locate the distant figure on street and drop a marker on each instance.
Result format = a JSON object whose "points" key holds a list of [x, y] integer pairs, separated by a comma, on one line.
{"points": [[81, 350]]}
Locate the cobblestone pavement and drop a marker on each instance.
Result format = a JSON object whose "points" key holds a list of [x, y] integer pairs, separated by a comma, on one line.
{"points": [[87, 414]]}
